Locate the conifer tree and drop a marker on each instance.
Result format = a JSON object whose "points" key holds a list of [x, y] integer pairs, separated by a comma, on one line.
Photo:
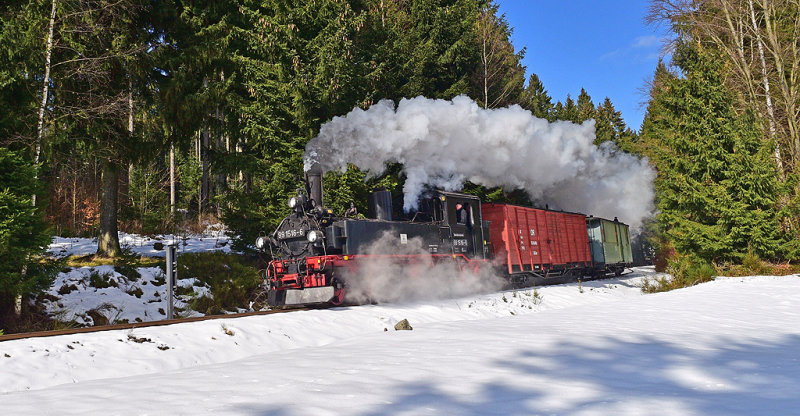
{"points": [[716, 185], [23, 232], [535, 98], [610, 126], [584, 107], [566, 111]]}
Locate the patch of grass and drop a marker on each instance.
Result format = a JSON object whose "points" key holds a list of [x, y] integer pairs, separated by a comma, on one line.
{"points": [[184, 291], [65, 289], [753, 265], [685, 271], [135, 291], [101, 280], [205, 305], [91, 260], [63, 320], [138, 340], [105, 314], [159, 279], [231, 280], [128, 270], [537, 297]]}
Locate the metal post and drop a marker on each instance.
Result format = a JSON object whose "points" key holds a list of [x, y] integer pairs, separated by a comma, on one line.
{"points": [[172, 272]]}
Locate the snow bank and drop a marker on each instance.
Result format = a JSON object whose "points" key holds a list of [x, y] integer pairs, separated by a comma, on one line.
{"points": [[112, 354], [725, 347], [72, 297], [214, 239]]}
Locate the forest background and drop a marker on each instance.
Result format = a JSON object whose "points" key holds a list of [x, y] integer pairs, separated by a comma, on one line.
{"points": [[162, 116]]}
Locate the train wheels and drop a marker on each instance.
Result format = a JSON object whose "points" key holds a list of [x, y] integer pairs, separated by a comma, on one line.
{"points": [[338, 292]]}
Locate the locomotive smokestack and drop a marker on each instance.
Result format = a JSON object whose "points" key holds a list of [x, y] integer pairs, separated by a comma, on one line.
{"points": [[314, 181]]}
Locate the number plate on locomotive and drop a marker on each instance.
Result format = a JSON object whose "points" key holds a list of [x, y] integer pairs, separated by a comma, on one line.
{"points": [[288, 234]]}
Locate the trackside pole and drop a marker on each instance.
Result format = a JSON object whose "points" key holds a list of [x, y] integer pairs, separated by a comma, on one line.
{"points": [[172, 276]]}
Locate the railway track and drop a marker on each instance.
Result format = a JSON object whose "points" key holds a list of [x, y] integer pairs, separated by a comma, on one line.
{"points": [[84, 330]]}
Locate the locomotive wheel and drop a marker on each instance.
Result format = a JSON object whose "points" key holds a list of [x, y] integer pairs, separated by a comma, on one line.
{"points": [[338, 293]]}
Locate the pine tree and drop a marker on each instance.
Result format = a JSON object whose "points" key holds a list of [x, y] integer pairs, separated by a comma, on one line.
{"points": [[610, 125], [23, 233], [584, 107], [716, 185], [536, 100], [566, 111]]}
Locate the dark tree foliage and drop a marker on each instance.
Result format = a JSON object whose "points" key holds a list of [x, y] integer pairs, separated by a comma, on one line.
{"points": [[312, 61], [716, 185], [24, 236], [21, 58], [536, 100], [237, 88]]}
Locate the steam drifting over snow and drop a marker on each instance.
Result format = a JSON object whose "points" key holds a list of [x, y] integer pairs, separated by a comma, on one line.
{"points": [[443, 143], [388, 276]]}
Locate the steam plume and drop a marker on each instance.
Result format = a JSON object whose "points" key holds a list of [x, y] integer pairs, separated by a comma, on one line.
{"points": [[443, 143], [389, 278]]}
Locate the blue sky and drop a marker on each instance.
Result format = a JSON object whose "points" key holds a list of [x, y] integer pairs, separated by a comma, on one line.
{"points": [[603, 46]]}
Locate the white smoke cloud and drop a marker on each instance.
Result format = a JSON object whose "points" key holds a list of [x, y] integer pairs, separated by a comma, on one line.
{"points": [[443, 143], [390, 278]]}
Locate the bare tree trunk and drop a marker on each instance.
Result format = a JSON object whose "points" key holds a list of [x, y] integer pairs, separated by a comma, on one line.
{"points": [[200, 185], [75, 200], [768, 96], [45, 91], [485, 74], [205, 184], [130, 106], [39, 130], [172, 178], [108, 241], [786, 60]]}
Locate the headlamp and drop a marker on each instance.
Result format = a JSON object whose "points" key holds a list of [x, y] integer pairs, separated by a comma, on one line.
{"points": [[313, 236]]}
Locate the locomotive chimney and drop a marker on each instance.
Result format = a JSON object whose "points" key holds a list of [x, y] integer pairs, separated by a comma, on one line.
{"points": [[314, 181], [380, 205]]}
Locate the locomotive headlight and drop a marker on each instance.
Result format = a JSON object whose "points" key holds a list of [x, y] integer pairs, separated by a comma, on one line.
{"points": [[261, 242], [313, 236], [292, 202]]}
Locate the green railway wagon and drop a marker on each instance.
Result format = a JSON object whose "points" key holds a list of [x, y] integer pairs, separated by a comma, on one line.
{"points": [[610, 243]]}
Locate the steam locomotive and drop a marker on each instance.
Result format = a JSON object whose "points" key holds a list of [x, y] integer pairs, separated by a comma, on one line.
{"points": [[314, 251]]}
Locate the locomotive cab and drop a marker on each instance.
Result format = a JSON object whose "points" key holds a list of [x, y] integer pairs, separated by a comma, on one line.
{"points": [[462, 224]]}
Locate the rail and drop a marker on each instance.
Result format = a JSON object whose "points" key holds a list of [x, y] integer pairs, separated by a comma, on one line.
{"points": [[115, 327]]}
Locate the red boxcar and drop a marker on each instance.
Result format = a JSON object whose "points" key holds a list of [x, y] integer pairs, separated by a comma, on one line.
{"points": [[536, 240]]}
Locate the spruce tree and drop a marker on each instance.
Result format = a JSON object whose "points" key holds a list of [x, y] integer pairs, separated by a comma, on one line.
{"points": [[23, 233], [536, 100], [566, 111], [716, 184], [584, 107]]}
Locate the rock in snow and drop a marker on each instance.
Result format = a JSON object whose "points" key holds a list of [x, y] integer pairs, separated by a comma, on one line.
{"points": [[403, 326]]}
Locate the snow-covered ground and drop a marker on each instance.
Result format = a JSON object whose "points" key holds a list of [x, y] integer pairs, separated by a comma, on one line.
{"points": [[214, 238], [725, 347], [73, 296], [76, 297]]}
